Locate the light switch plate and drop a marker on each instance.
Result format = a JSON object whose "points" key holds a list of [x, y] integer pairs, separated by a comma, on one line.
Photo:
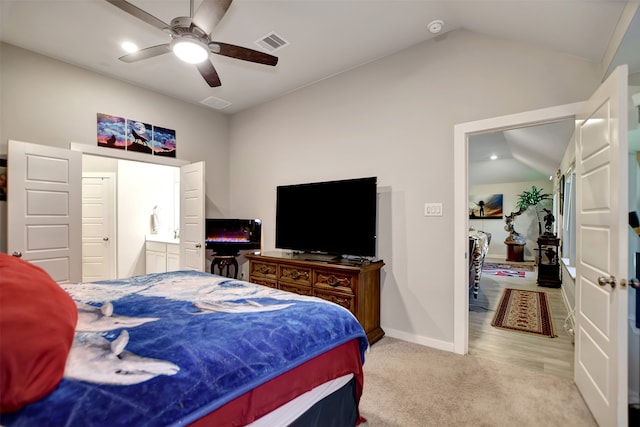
{"points": [[433, 209]]}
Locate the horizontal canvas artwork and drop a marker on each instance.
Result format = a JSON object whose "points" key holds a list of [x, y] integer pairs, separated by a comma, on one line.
{"points": [[485, 206], [135, 135]]}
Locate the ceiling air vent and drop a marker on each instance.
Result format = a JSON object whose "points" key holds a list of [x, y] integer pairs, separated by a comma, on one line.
{"points": [[272, 42], [217, 103]]}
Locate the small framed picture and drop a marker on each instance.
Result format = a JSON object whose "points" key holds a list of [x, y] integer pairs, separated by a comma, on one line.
{"points": [[3, 179]]}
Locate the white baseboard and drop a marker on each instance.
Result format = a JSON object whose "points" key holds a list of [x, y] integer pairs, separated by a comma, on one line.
{"points": [[417, 339]]}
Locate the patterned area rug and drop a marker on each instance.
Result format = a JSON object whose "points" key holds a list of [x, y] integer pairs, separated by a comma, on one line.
{"points": [[507, 270], [507, 266], [524, 311]]}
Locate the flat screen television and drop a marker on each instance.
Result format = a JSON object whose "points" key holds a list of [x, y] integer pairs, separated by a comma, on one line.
{"points": [[225, 235], [331, 217]]}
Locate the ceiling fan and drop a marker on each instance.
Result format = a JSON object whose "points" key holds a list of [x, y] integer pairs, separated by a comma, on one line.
{"points": [[190, 38]]}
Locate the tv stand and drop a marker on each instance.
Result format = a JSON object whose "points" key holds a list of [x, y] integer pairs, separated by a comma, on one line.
{"points": [[353, 285]]}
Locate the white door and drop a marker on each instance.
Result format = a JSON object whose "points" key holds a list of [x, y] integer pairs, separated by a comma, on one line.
{"points": [[44, 208], [602, 209], [192, 248], [98, 226]]}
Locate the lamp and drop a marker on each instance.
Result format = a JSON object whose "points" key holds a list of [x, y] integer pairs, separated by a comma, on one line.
{"points": [[189, 50]]}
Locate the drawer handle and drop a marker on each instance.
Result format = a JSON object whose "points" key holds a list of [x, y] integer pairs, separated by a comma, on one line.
{"points": [[295, 275], [264, 270], [333, 281]]}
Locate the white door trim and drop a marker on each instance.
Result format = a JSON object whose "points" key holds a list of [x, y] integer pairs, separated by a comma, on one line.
{"points": [[126, 155], [460, 199]]}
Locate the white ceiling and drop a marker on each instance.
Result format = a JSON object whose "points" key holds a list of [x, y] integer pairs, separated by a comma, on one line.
{"points": [[326, 37], [527, 154]]}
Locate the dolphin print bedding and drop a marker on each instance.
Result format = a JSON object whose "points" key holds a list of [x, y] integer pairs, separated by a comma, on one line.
{"points": [[171, 348]]}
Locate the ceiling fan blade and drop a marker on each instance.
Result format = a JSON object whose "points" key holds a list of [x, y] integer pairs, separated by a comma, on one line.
{"points": [[146, 53], [209, 73], [139, 13], [209, 13], [243, 53]]}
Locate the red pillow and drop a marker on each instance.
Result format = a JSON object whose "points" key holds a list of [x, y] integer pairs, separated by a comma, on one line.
{"points": [[37, 323]]}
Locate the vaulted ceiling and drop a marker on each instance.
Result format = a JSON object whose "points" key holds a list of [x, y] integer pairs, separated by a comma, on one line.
{"points": [[323, 38]]}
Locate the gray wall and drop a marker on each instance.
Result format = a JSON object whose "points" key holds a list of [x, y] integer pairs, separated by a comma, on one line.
{"points": [[394, 119], [44, 101]]}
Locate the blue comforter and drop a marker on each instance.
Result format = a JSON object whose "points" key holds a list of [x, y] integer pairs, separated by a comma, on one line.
{"points": [[166, 349]]}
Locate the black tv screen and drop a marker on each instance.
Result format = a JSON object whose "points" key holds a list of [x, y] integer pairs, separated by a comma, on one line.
{"points": [[223, 234], [332, 217]]}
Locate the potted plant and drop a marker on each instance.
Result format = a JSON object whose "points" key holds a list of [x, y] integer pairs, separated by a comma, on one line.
{"points": [[525, 199], [533, 198]]}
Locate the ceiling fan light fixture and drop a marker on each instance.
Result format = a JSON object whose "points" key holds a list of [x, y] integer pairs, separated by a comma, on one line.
{"points": [[188, 50], [129, 47]]}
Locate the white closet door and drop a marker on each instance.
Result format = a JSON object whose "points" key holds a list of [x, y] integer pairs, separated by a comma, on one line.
{"points": [[98, 227], [44, 208], [192, 246]]}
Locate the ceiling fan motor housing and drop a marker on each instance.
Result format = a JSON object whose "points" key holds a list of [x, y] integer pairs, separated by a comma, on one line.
{"points": [[184, 26]]}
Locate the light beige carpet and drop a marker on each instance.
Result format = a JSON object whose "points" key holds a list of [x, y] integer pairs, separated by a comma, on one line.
{"points": [[410, 385]]}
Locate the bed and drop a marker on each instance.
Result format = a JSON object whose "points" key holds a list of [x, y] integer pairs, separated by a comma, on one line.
{"points": [[192, 348], [478, 247]]}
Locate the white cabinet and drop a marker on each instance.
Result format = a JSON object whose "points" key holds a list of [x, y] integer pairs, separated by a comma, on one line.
{"points": [[162, 257], [173, 257]]}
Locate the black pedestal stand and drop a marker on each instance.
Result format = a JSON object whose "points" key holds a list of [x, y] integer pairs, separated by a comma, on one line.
{"points": [[224, 261]]}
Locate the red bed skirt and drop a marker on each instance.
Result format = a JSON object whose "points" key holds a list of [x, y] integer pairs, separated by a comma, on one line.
{"points": [[342, 360]]}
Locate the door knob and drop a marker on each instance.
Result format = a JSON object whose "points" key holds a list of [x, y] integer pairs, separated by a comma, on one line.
{"points": [[106, 239], [198, 245], [633, 283], [604, 281], [17, 254]]}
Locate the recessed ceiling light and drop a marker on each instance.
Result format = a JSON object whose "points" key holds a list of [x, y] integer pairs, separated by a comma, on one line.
{"points": [[493, 157], [129, 47], [435, 26]]}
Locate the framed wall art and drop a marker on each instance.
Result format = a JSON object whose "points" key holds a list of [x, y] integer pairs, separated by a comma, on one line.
{"points": [[485, 206], [135, 135]]}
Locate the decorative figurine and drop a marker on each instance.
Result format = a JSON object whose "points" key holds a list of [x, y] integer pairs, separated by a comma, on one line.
{"points": [[549, 219]]}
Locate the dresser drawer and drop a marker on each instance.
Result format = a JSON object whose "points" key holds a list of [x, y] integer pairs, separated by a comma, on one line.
{"points": [[263, 270], [298, 289], [263, 282], [297, 275], [334, 280], [351, 285], [345, 300]]}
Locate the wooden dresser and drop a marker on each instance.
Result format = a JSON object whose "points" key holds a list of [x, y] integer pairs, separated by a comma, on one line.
{"points": [[351, 284]]}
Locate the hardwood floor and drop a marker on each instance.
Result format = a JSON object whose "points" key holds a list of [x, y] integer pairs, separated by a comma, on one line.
{"points": [[549, 355]]}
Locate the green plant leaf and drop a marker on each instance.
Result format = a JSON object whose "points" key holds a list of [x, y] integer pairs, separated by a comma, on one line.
{"points": [[531, 197]]}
